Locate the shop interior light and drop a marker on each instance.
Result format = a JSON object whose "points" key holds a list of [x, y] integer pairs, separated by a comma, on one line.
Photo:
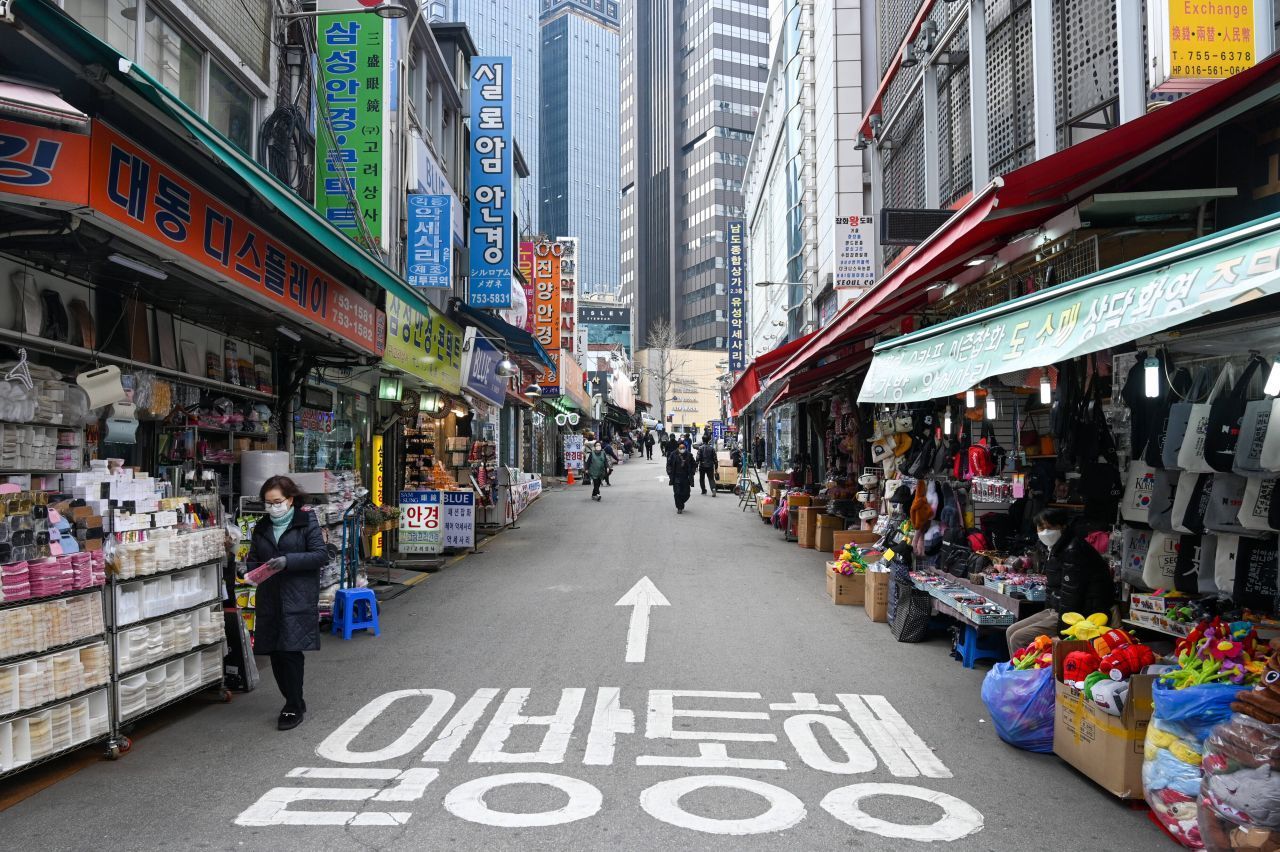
{"points": [[946, 422], [970, 398], [389, 388], [137, 266], [285, 331], [1151, 377], [978, 260], [1273, 379], [431, 402], [460, 411], [1046, 389], [532, 390], [991, 406]]}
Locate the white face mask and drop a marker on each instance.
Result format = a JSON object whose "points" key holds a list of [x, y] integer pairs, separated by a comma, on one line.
{"points": [[278, 511], [1050, 537]]}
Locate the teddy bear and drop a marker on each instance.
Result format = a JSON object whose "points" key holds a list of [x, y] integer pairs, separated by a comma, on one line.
{"points": [[1263, 703], [1125, 661]]}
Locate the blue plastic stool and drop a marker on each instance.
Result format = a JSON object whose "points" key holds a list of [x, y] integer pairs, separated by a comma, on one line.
{"points": [[355, 609], [974, 646]]}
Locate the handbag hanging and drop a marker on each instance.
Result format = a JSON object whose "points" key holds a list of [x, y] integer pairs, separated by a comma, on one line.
{"points": [[1178, 388], [1028, 434], [1191, 501], [1161, 564], [1254, 584], [1255, 508], [1138, 485], [1179, 416], [1226, 495], [1134, 544], [1192, 550], [1164, 489], [1191, 453], [1269, 455], [1253, 435], [1225, 416]]}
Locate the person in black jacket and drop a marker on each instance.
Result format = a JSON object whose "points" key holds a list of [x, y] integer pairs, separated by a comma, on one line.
{"points": [[707, 468], [287, 608], [680, 465], [1077, 579], [648, 445]]}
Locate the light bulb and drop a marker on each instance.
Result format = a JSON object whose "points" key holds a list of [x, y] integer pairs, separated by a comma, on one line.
{"points": [[991, 406], [946, 422], [970, 399], [1151, 377], [1273, 379], [1046, 389]]}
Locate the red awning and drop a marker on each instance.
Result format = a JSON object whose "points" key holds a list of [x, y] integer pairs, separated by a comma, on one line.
{"points": [[1032, 195], [754, 378], [800, 386]]}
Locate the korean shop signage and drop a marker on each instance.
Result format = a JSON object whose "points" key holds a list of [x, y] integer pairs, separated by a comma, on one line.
{"points": [[142, 192], [526, 269], [1191, 40], [37, 162], [351, 138], [1048, 329], [480, 369], [855, 235], [736, 264], [546, 309], [427, 345], [491, 224], [428, 253]]}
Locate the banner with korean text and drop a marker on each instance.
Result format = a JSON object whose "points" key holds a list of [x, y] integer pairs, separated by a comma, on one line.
{"points": [[424, 344], [492, 223], [736, 266], [546, 309], [429, 251]]}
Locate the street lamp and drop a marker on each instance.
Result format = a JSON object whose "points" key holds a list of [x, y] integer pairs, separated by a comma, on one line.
{"points": [[388, 10]]}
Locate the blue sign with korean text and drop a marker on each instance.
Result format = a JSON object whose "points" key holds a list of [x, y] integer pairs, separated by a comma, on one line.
{"points": [[429, 253], [736, 266], [491, 224], [481, 369]]}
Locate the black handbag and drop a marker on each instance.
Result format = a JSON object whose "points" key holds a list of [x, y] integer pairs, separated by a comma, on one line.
{"points": [[1225, 414], [911, 618], [1193, 518]]}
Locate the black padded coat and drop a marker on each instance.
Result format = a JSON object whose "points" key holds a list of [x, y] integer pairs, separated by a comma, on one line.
{"points": [[288, 604]]}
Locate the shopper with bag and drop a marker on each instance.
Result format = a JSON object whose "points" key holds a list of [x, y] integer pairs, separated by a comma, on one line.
{"points": [[707, 468], [596, 465], [289, 542], [1077, 579]]}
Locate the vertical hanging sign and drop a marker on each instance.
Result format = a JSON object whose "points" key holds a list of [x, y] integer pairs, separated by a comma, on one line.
{"points": [[526, 270], [546, 309], [351, 140], [429, 254], [736, 264], [491, 223]]}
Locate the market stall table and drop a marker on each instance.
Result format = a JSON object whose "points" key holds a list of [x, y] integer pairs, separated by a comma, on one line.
{"points": [[979, 641]]}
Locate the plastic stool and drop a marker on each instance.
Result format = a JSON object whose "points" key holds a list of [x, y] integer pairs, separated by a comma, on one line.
{"points": [[355, 609], [974, 646]]}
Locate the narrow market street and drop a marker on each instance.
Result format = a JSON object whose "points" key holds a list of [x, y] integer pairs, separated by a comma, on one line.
{"points": [[748, 636]]}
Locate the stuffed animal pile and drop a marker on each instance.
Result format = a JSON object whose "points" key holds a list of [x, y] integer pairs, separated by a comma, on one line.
{"points": [[1037, 655], [1102, 672]]}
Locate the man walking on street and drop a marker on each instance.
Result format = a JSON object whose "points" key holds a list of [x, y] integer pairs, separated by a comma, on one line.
{"points": [[597, 468], [707, 468], [680, 465], [648, 445]]}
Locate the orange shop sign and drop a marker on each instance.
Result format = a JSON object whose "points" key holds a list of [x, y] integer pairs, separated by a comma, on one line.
{"points": [[141, 191], [546, 309], [36, 162]]}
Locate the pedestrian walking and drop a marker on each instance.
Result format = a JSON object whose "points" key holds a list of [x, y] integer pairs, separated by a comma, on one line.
{"points": [[758, 451], [612, 456], [288, 602], [596, 465], [680, 465], [707, 461], [648, 445]]}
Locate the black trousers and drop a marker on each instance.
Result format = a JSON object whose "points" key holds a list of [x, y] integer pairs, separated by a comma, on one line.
{"points": [[681, 493], [648, 453], [705, 476], [595, 486], [287, 667]]}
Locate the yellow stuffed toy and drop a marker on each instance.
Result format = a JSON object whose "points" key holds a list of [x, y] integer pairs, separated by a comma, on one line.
{"points": [[1084, 629]]}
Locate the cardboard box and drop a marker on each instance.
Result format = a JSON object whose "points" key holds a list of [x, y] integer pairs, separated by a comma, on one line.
{"points": [[796, 501], [876, 597], [822, 539], [845, 590], [840, 538], [833, 522], [806, 525], [1106, 748]]}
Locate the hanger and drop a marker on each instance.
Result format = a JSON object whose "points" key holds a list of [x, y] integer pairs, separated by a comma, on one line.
{"points": [[20, 371]]}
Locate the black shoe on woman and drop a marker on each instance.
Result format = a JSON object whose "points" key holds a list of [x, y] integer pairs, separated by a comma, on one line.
{"points": [[289, 720]]}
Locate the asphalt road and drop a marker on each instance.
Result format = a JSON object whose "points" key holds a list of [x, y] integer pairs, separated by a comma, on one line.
{"points": [[497, 711]]}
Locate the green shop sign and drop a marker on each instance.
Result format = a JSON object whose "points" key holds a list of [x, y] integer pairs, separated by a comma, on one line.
{"points": [[426, 345]]}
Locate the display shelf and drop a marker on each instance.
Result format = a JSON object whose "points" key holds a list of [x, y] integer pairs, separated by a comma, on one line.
{"points": [[56, 649], [143, 622], [71, 594], [33, 471], [62, 752], [1142, 626], [169, 702], [166, 571], [48, 705], [42, 423], [213, 430], [146, 667]]}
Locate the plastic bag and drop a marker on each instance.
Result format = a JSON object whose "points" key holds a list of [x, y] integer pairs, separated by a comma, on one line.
{"points": [[1021, 705], [1180, 724], [1240, 790]]}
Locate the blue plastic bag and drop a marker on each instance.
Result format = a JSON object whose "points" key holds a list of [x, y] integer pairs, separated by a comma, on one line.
{"points": [[1021, 705]]}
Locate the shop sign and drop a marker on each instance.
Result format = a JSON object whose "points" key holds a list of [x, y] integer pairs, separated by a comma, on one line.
{"points": [[37, 162], [717, 429], [736, 264], [143, 193], [518, 313], [492, 199], [855, 235], [573, 453], [429, 255], [427, 345], [420, 528], [546, 309], [351, 151], [378, 491], [570, 260], [433, 181], [526, 271], [606, 327], [1192, 43], [480, 368], [1045, 328], [572, 378], [459, 518]]}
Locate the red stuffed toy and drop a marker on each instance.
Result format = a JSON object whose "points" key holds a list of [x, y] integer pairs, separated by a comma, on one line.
{"points": [[1078, 665], [1126, 661], [1110, 641]]}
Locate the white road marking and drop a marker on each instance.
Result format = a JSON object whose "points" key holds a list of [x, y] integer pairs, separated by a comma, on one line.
{"points": [[459, 727], [554, 745], [273, 807], [466, 801], [643, 596], [959, 819], [899, 747], [800, 731], [662, 802], [337, 746], [609, 720]]}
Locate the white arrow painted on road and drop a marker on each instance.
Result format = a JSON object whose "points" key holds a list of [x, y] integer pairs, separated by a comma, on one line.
{"points": [[643, 596]]}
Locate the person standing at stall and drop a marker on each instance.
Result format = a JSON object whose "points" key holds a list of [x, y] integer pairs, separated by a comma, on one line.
{"points": [[758, 450], [1077, 579], [288, 602], [707, 461], [648, 446], [680, 466]]}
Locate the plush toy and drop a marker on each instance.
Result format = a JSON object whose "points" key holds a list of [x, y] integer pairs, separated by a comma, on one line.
{"points": [[1111, 696], [1092, 680], [1037, 655], [1126, 661], [1249, 796], [1178, 812], [1110, 641], [1255, 839], [1084, 629], [1077, 666], [1263, 703]]}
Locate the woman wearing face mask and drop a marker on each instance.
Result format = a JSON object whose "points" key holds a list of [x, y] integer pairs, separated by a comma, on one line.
{"points": [[287, 606], [1077, 580]]}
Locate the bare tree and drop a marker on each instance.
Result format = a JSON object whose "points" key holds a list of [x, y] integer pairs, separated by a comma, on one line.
{"points": [[664, 341]]}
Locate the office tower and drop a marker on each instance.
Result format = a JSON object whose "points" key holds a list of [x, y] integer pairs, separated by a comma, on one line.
{"points": [[508, 28], [578, 165], [692, 76]]}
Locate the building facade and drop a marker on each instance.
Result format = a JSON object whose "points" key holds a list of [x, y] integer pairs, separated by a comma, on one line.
{"points": [[578, 165], [693, 73]]}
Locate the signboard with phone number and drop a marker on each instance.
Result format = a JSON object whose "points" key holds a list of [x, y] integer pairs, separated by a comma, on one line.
{"points": [[420, 530]]}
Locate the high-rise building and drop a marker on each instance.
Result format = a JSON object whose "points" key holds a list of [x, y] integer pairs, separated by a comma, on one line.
{"points": [[578, 165], [692, 76], [508, 28]]}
